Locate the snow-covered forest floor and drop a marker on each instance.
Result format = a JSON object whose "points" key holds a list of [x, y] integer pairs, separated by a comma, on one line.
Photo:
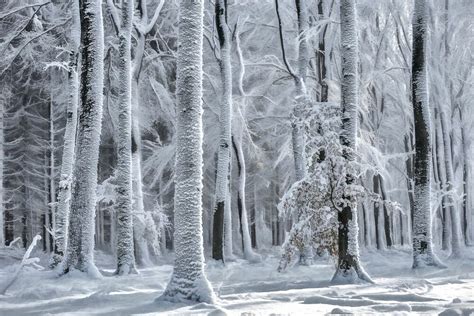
{"points": [[251, 289]]}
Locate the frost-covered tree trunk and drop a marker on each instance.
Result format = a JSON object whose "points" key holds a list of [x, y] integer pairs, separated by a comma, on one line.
{"points": [[67, 160], [125, 249], [142, 28], [321, 55], [297, 132], [139, 225], [408, 145], [378, 216], [249, 254], [2, 157], [50, 221], [386, 216], [349, 268], [439, 175], [467, 179], [456, 229], [456, 234], [188, 281], [228, 247], [80, 245], [225, 119], [422, 236], [298, 136], [302, 100]]}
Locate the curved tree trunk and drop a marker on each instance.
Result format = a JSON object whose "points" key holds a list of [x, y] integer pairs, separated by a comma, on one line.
{"points": [[188, 281]]}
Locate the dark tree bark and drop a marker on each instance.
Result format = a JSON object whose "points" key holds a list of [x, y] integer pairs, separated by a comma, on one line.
{"points": [[377, 213], [422, 238], [386, 216], [321, 56]]}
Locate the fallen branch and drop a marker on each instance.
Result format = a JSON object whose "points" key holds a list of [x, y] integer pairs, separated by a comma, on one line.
{"points": [[25, 261]]}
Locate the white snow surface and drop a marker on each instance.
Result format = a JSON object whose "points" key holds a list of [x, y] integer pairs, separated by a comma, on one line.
{"points": [[244, 288]]}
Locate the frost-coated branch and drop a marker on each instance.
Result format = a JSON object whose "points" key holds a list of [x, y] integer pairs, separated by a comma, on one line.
{"points": [[25, 261]]}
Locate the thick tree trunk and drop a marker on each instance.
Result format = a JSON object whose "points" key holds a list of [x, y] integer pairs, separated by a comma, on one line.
{"points": [[80, 248], [125, 248], [349, 268], [422, 238], [225, 119], [188, 281], [3, 214]]}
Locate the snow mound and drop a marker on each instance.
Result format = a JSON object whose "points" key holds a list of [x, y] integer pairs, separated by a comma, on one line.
{"points": [[339, 311], [399, 297], [389, 308], [451, 312], [317, 299]]}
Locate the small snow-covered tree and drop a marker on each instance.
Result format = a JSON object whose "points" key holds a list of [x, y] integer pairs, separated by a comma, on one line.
{"points": [[188, 281], [316, 197], [80, 246], [300, 101]]}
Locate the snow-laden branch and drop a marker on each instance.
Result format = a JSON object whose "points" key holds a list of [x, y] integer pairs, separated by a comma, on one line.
{"points": [[282, 41], [26, 6], [149, 26], [114, 14], [20, 50], [25, 261]]}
